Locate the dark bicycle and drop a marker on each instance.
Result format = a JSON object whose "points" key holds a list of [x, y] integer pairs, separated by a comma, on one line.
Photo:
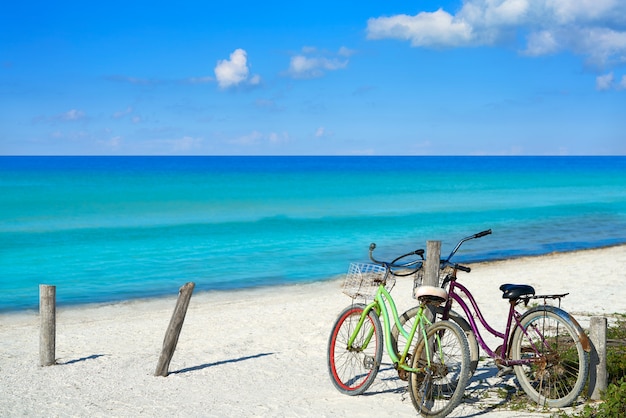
{"points": [[544, 345]]}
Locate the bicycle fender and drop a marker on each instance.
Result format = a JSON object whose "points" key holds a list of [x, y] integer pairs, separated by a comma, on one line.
{"points": [[582, 337]]}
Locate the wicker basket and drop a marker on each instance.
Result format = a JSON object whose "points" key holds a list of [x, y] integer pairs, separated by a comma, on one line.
{"points": [[363, 280]]}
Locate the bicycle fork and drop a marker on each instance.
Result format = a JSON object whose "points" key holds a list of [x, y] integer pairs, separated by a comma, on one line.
{"points": [[358, 327], [400, 363]]}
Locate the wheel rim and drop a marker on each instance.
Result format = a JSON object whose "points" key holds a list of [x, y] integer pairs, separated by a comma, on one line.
{"points": [[553, 374], [352, 367]]}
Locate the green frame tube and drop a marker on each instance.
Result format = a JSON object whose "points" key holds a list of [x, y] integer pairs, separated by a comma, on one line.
{"points": [[380, 307]]}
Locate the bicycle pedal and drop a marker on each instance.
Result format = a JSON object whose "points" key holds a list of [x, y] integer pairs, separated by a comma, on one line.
{"points": [[504, 371]]}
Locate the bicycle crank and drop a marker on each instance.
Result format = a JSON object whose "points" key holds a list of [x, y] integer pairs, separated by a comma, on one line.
{"points": [[369, 362]]}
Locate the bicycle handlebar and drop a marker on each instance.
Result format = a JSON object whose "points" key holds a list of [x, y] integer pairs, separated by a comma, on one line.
{"points": [[478, 235], [419, 252], [447, 262], [462, 268]]}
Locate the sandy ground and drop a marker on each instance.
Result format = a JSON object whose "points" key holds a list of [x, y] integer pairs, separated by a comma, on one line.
{"points": [[263, 352]]}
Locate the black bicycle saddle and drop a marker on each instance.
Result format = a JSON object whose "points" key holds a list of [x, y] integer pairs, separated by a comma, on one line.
{"points": [[515, 291]]}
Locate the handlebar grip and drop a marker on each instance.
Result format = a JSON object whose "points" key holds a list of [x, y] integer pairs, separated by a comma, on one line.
{"points": [[463, 268], [483, 233]]}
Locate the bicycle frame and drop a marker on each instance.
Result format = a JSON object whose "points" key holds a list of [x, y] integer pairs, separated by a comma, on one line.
{"points": [[513, 321], [380, 307], [513, 318]]}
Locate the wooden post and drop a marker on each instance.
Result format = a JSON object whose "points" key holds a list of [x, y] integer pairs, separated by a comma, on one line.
{"points": [[173, 330], [47, 330], [433, 259], [598, 380], [431, 270]]}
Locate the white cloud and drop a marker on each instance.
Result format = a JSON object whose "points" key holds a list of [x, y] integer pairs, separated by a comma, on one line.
{"points": [[115, 142], [603, 46], [278, 137], [595, 29], [604, 82], [252, 138], [345, 52], [255, 80], [200, 80], [255, 138], [234, 71], [509, 12], [132, 80], [425, 29], [268, 104], [186, 143], [72, 115], [312, 63], [566, 11], [541, 43], [322, 132], [120, 114], [309, 49], [609, 82]]}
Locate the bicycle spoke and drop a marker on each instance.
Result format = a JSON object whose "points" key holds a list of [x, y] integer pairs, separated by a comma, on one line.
{"points": [[444, 357], [353, 368], [556, 367]]}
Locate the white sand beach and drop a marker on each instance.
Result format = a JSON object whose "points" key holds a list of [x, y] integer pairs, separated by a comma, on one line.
{"points": [[262, 352]]}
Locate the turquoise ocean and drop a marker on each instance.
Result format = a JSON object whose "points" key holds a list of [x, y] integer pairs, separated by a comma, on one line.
{"points": [[104, 229]]}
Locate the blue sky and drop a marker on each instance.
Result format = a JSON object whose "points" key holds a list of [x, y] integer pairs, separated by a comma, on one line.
{"points": [[473, 77]]}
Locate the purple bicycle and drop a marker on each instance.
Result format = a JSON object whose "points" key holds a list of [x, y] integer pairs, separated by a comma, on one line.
{"points": [[544, 345]]}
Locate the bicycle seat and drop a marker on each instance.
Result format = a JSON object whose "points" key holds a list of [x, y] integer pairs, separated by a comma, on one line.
{"points": [[515, 291], [431, 295]]}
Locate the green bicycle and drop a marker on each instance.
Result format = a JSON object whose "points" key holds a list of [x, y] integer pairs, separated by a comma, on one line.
{"points": [[438, 367]]}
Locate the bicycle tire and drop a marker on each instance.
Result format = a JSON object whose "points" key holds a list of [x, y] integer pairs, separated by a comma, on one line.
{"points": [[438, 390], [352, 371], [398, 341], [559, 374]]}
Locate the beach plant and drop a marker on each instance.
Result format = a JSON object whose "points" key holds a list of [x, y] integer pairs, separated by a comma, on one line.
{"points": [[616, 353], [613, 404], [516, 400], [504, 392], [613, 400]]}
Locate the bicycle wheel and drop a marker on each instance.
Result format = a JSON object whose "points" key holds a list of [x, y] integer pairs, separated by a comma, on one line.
{"points": [[557, 366], [398, 342], [353, 369], [444, 355]]}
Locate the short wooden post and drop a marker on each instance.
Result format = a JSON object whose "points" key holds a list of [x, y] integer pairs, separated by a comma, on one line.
{"points": [[173, 330], [47, 330], [431, 270], [433, 260], [598, 379]]}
